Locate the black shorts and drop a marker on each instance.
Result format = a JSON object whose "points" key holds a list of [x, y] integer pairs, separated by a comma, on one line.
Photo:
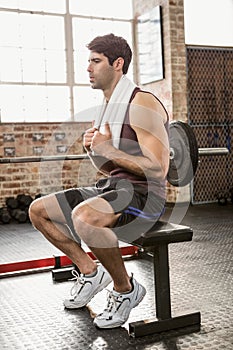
{"points": [[139, 209]]}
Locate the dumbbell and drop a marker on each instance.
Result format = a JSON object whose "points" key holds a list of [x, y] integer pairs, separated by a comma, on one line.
{"points": [[24, 200], [5, 217], [19, 215], [12, 203]]}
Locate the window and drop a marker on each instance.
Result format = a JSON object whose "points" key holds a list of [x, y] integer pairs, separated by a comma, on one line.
{"points": [[150, 46], [86, 96], [43, 55]]}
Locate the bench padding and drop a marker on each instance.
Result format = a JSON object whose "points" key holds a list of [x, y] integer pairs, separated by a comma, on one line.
{"points": [[164, 232]]}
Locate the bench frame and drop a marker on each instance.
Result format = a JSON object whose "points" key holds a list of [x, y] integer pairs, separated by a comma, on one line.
{"points": [[157, 240]]}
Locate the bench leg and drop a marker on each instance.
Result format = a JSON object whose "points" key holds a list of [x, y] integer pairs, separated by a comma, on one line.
{"points": [[147, 327], [164, 321], [162, 282]]}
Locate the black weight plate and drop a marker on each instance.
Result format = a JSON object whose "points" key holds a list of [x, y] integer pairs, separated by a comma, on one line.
{"points": [[183, 154]]}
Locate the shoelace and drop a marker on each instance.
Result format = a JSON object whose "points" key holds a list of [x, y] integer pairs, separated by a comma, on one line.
{"points": [[112, 301], [80, 281]]}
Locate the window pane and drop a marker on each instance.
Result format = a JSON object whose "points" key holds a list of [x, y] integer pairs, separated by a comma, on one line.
{"points": [[54, 35], [55, 63], [11, 103], [9, 29], [10, 64], [102, 8], [37, 31], [13, 4], [85, 101], [57, 6], [58, 103], [34, 103], [31, 31], [33, 65], [89, 30], [32, 48]]}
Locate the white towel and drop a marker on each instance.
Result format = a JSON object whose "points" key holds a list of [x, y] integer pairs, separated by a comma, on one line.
{"points": [[114, 111]]}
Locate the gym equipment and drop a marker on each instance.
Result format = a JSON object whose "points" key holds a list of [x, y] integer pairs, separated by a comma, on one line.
{"points": [[61, 274], [5, 217], [156, 241], [19, 215], [52, 263], [184, 154], [16, 208], [12, 203], [24, 200]]}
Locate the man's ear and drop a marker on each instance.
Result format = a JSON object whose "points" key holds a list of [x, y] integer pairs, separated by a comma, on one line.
{"points": [[119, 63]]}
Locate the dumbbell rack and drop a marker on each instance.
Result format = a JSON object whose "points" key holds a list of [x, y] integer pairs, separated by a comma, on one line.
{"points": [[16, 208]]}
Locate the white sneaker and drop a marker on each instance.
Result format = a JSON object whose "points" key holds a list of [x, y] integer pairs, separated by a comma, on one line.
{"points": [[85, 288], [119, 306]]}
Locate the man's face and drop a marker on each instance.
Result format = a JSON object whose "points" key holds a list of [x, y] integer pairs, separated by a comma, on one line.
{"points": [[101, 73]]}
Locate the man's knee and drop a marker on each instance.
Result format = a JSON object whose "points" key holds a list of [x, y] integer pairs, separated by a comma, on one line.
{"points": [[93, 227], [83, 215], [92, 214], [36, 211]]}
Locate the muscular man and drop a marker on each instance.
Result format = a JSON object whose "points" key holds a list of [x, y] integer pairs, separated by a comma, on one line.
{"points": [[129, 145]]}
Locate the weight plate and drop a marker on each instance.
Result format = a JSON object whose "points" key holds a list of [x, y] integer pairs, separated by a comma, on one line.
{"points": [[183, 154]]}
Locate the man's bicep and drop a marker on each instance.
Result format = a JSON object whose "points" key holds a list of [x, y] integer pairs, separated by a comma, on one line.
{"points": [[155, 149], [149, 120]]}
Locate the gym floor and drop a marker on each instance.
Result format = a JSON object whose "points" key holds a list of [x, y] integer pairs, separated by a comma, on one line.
{"points": [[32, 314]]}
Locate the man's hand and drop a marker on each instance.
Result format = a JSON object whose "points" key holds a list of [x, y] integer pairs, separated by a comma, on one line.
{"points": [[88, 136], [102, 141]]}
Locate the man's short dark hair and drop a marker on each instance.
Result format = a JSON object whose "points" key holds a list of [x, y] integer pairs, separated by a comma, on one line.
{"points": [[112, 47]]}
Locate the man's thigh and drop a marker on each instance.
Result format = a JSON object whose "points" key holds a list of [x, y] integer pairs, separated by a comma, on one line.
{"points": [[138, 211], [70, 198]]}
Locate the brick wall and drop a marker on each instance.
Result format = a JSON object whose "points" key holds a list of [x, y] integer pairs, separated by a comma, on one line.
{"points": [[172, 90], [27, 140]]}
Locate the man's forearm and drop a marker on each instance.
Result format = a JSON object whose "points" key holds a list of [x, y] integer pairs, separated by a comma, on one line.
{"points": [[139, 165], [101, 163]]}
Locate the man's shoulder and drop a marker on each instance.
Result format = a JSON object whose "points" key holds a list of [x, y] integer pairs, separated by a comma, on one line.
{"points": [[143, 97], [148, 100]]}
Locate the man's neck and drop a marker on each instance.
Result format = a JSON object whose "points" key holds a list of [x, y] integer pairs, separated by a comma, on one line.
{"points": [[108, 92]]}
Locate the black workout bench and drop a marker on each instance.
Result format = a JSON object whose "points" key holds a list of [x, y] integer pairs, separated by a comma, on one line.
{"points": [[156, 240]]}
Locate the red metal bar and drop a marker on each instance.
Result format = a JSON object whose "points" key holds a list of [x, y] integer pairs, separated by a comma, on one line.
{"points": [[51, 262]]}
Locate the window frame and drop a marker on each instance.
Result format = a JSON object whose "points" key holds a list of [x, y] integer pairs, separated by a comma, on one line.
{"points": [[69, 57]]}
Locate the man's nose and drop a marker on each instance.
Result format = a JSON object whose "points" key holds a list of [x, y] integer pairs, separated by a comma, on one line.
{"points": [[89, 67]]}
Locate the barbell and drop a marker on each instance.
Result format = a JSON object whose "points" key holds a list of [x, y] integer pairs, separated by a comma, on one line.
{"points": [[184, 154]]}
